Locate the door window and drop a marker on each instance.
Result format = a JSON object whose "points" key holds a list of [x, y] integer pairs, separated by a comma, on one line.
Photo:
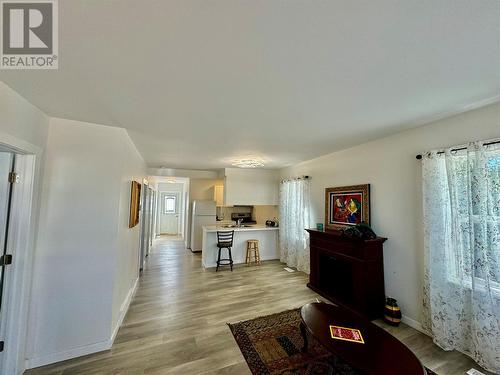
{"points": [[170, 204]]}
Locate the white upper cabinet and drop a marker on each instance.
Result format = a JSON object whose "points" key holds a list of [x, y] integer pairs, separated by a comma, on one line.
{"points": [[251, 187], [218, 194]]}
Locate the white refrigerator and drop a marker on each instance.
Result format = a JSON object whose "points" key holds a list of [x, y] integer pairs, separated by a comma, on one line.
{"points": [[204, 213]]}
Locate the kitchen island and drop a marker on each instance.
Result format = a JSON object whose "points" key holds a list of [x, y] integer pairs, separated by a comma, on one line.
{"points": [[267, 236]]}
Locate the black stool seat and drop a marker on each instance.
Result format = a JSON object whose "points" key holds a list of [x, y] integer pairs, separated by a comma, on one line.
{"points": [[225, 241]]}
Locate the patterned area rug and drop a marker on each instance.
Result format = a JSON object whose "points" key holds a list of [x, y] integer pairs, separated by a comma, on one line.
{"points": [[271, 345]]}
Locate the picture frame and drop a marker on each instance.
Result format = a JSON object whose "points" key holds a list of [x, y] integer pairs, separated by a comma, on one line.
{"points": [[347, 206], [135, 201]]}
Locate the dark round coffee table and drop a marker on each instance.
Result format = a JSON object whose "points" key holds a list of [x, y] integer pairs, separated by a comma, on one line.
{"points": [[381, 354]]}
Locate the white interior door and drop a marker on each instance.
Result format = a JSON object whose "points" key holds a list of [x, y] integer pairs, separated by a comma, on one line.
{"points": [[169, 212]]}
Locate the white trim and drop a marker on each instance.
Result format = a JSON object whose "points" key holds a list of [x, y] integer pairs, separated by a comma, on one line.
{"points": [[414, 324], [18, 278], [23, 230], [87, 349], [68, 354], [18, 145], [123, 310]]}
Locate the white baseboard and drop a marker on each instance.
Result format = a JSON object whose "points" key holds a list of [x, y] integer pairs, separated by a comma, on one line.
{"points": [[68, 354], [413, 324], [87, 349], [123, 310]]}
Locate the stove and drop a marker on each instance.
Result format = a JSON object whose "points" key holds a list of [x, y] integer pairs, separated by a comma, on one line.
{"points": [[246, 217]]}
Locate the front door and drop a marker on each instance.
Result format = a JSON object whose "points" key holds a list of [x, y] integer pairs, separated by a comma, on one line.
{"points": [[169, 213]]}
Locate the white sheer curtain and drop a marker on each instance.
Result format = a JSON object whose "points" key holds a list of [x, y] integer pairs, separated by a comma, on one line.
{"points": [[295, 207], [461, 191]]}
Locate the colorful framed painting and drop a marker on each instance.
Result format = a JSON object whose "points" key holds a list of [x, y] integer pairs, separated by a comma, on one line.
{"points": [[347, 206]]}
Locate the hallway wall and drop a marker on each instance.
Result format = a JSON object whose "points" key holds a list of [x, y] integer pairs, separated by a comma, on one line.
{"points": [[127, 256], [86, 258]]}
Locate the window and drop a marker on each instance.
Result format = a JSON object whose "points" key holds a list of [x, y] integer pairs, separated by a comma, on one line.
{"points": [[476, 186], [170, 204], [461, 196]]}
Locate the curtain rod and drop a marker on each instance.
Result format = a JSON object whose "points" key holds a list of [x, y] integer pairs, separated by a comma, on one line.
{"points": [[419, 156], [296, 178]]}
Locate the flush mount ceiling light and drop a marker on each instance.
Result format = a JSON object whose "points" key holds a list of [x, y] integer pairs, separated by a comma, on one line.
{"points": [[249, 162]]}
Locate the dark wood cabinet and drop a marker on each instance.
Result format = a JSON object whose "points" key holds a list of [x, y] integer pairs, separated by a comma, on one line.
{"points": [[348, 271]]}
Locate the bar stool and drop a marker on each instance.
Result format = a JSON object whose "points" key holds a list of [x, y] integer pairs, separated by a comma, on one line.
{"points": [[253, 252], [225, 241]]}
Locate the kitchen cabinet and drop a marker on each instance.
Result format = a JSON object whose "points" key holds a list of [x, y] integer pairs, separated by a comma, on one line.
{"points": [[218, 194], [250, 187]]}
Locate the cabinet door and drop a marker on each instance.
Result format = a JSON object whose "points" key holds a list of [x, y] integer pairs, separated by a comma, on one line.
{"points": [[251, 187], [219, 195]]}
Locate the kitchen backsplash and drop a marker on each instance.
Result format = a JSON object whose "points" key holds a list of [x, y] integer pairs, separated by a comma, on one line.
{"points": [[263, 213], [259, 213], [224, 213]]}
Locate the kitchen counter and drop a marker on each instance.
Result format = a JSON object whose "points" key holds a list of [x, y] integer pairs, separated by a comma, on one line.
{"points": [[267, 236], [215, 228]]}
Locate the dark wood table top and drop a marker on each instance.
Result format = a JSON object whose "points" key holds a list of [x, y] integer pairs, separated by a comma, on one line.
{"points": [[381, 354]]}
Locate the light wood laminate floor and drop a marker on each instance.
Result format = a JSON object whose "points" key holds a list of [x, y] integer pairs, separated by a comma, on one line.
{"points": [[176, 323]]}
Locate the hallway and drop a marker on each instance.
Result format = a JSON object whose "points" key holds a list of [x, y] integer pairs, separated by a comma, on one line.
{"points": [[176, 323]]}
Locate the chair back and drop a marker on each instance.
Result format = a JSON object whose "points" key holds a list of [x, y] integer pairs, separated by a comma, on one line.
{"points": [[225, 237]]}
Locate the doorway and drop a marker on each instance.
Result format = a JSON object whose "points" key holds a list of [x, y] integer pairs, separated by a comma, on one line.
{"points": [[146, 218], [7, 179], [170, 207], [17, 236]]}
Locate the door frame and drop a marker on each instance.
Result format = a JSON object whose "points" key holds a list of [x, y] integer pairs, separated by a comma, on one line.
{"points": [[19, 303], [143, 222], [152, 216]]}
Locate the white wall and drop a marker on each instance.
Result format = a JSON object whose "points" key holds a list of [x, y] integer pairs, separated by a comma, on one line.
{"points": [[201, 188], [263, 213], [389, 165], [128, 241], [86, 258], [183, 173], [175, 187], [21, 119]]}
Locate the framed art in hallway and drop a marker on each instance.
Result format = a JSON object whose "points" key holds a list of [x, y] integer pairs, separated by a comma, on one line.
{"points": [[135, 199], [347, 206]]}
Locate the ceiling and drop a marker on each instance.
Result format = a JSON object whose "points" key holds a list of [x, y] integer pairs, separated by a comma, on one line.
{"points": [[198, 83]]}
